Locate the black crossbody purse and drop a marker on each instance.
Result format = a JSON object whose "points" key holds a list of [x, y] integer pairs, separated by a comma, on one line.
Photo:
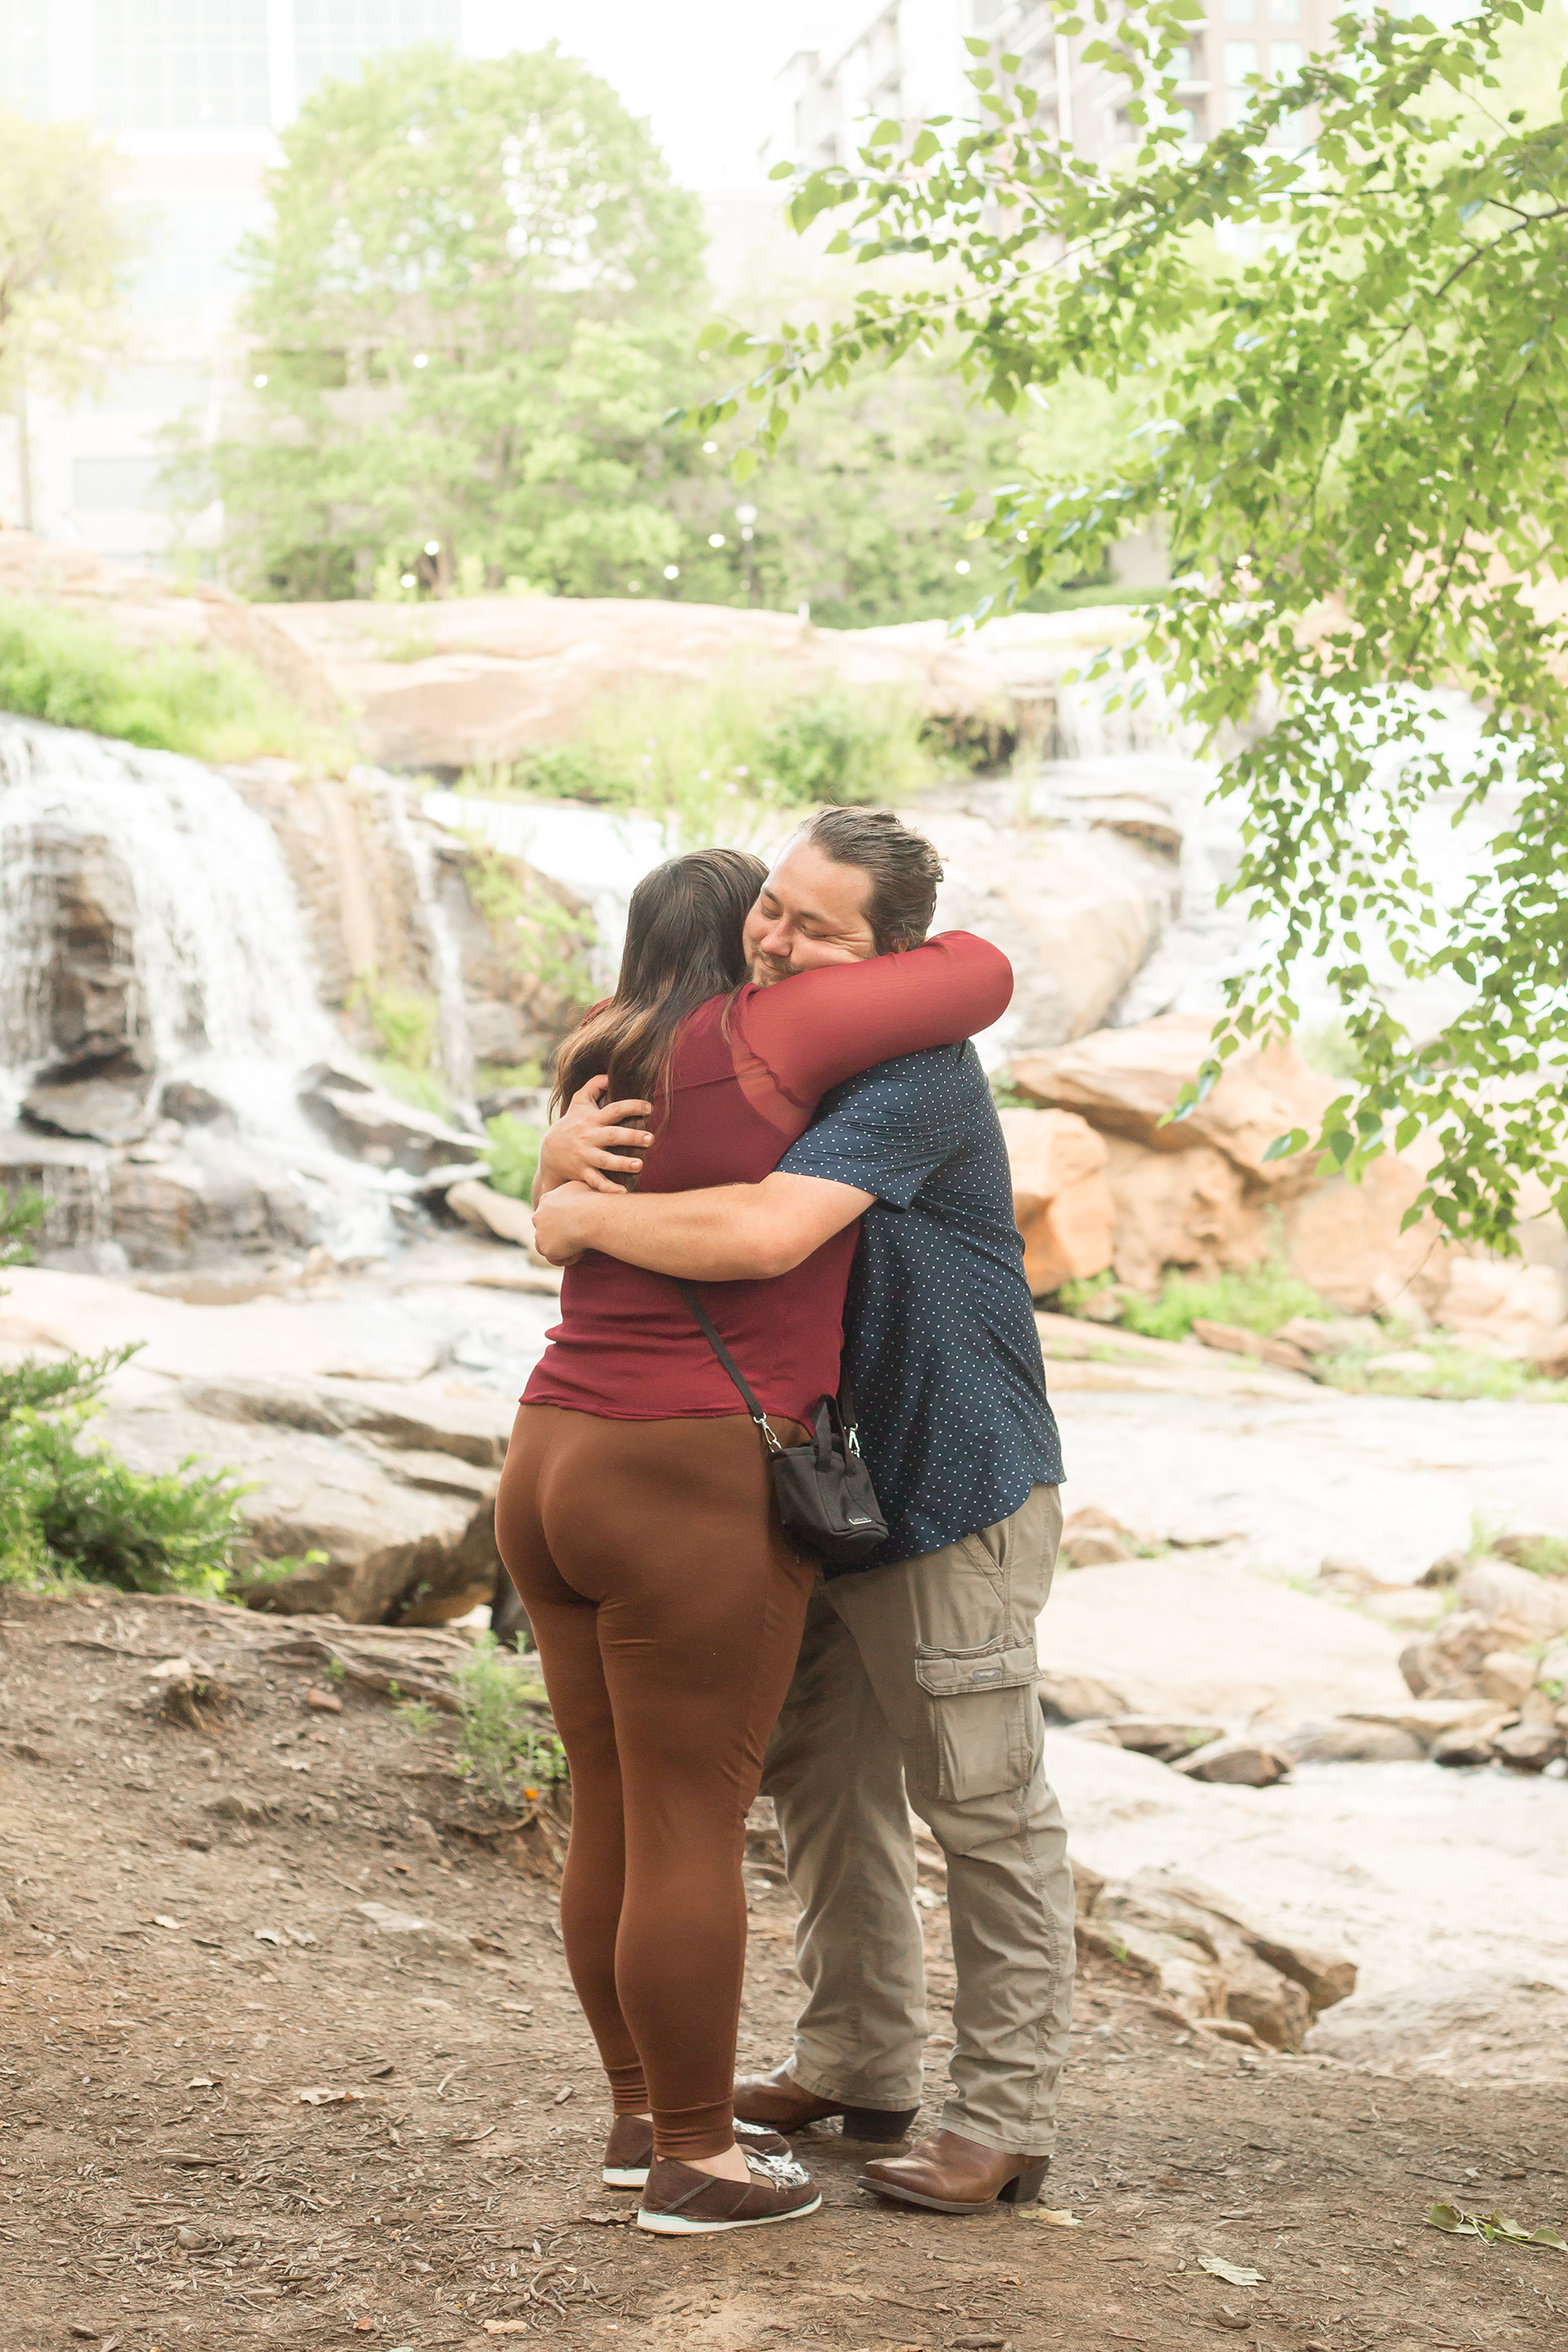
{"points": [[825, 1498]]}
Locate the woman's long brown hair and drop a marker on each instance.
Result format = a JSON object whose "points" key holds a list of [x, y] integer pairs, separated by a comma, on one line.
{"points": [[684, 945]]}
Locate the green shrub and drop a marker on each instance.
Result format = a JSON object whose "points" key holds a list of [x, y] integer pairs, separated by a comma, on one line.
{"points": [[90, 1515], [70, 1512], [21, 1215], [54, 665], [1258, 1299], [504, 1743], [513, 1155], [721, 761]]}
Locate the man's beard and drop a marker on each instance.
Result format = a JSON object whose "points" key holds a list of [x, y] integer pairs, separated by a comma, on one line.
{"points": [[765, 969]]}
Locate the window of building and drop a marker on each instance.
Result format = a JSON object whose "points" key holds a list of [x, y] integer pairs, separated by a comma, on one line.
{"points": [[334, 37], [1284, 12], [181, 65], [1238, 12], [118, 482], [159, 388], [1240, 60], [25, 60]]}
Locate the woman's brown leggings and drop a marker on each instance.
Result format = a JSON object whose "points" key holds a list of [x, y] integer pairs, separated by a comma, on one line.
{"points": [[668, 1608]]}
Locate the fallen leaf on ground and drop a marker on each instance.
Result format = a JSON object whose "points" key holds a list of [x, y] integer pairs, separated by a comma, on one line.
{"points": [[509, 2327], [200, 2082], [1491, 2227], [608, 2220], [161, 1920], [1231, 2272], [267, 1935], [1059, 2214], [326, 2098], [564, 2093]]}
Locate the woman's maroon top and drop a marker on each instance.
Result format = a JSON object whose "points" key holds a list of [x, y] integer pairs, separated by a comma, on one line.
{"points": [[740, 1090]]}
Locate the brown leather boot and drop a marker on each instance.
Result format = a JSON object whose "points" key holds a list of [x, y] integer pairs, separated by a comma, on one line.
{"points": [[954, 2175], [778, 2100]]}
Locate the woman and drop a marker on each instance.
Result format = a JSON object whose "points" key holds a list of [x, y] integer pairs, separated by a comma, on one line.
{"points": [[635, 1515]]}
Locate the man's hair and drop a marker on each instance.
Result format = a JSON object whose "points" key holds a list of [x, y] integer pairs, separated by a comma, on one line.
{"points": [[902, 867]]}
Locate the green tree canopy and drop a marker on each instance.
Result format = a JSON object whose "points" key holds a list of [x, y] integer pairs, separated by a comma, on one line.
{"points": [[477, 281], [66, 244], [1343, 327]]}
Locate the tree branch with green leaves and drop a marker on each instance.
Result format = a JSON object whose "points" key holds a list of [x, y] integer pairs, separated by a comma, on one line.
{"points": [[1343, 326]]}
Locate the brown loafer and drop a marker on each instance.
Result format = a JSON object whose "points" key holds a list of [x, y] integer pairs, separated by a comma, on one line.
{"points": [[628, 2151], [954, 2175], [681, 2202], [777, 2100]]}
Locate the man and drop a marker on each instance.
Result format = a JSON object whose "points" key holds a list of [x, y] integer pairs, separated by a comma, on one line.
{"points": [[919, 1673]]}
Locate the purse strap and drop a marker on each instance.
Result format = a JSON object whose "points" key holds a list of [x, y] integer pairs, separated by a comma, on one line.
{"points": [[706, 1321], [842, 1404]]}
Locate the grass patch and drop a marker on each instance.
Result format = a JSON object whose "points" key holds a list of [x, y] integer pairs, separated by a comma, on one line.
{"points": [[1543, 1555], [404, 1022], [511, 1155], [1454, 1372], [720, 761], [57, 665], [1258, 1299], [503, 1746]]}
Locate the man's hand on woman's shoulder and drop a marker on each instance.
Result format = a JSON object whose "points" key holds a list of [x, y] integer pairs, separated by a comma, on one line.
{"points": [[578, 1148]]}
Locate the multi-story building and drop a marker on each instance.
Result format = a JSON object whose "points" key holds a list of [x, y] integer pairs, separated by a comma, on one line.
{"points": [[193, 93], [908, 60]]}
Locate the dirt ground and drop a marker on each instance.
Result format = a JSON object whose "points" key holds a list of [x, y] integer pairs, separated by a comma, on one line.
{"points": [[173, 1979]]}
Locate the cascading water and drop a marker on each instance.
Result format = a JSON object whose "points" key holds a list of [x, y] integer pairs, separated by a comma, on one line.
{"points": [[446, 963], [207, 943]]}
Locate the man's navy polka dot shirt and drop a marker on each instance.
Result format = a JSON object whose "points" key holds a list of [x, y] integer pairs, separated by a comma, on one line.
{"points": [[941, 1348]]}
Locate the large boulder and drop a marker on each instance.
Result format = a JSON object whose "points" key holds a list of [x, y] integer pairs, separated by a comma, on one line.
{"points": [[1501, 1308], [1063, 1203], [1500, 2026], [1128, 1082], [1200, 1191], [362, 1122], [1184, 1208], [1077, 914], [406, 1528], [83, 1009], [474, 680]]}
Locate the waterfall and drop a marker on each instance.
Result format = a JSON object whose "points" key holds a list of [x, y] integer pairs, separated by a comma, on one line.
{"points": [[446, 963], [194, 944], [221, 967]]}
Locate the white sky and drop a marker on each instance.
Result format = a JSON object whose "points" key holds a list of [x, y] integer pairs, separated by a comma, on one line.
{"points": [[702, 69]]}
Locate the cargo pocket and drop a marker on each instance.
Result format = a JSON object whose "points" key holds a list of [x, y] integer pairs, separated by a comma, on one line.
{"points": [[980, 1723]]}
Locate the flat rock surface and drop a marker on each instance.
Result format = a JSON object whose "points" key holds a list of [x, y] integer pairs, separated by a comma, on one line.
{"points": [[1389, 1481], [234, 2120], [1413, 1871], [1205, 1635]]}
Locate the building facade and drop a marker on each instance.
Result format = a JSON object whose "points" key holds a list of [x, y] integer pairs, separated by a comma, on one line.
{"points": [[907, 60], [193, 93]]}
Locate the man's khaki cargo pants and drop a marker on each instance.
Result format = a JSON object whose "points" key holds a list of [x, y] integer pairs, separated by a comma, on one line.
{"points": [[916, 1687]]}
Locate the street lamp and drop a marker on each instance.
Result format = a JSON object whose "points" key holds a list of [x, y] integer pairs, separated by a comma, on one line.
{"points": [[746, 517]]}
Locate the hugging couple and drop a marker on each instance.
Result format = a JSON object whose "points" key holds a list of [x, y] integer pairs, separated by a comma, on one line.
{"points": [[823, 1170]]}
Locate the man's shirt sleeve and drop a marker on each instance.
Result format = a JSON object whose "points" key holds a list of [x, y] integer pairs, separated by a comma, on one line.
{"points": [[887, 1130]]}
